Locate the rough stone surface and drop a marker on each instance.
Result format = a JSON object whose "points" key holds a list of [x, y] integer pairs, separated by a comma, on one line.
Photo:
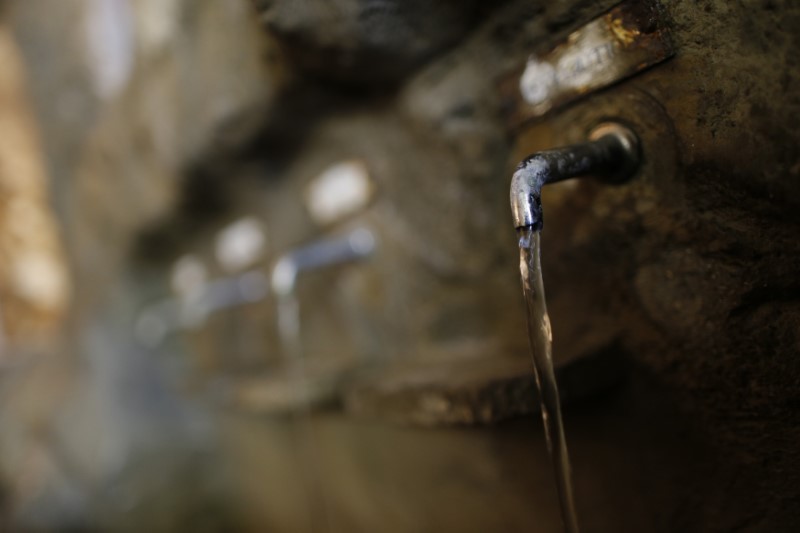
{"points": [[95, 436], [366, 42], [33, 279], [688, 271], [696, 259]]}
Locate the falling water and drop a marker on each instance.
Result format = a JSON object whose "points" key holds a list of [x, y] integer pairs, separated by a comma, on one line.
{"points": [[291, 346], [541, 340], [356, 245]]}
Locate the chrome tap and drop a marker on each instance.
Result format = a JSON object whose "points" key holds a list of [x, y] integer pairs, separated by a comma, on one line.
{"points": [[612, 154]]}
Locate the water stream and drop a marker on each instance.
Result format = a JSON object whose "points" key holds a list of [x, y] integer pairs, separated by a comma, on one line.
{"points": [[355, 245], [541, 340], [288, 309]]}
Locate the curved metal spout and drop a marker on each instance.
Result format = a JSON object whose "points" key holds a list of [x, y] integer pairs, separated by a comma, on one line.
{"points": [[158, 320], [612, 154], [357, 244]]}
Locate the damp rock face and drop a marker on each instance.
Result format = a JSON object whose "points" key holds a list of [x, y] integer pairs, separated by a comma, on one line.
{"points": [[693, 262], [94, 437], [200, 113], [367, 42]]}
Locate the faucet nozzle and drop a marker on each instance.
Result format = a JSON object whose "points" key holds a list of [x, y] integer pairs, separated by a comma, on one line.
{"points": [[612, 154]]}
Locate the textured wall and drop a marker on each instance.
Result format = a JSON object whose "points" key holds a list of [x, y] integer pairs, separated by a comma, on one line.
{"points": [[207, 111]]}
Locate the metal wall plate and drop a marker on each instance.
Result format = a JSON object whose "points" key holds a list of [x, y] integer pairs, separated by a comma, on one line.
{"points": [[627, 39]]}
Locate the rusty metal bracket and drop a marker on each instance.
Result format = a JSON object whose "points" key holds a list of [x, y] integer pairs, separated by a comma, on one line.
{"points": [[624, 41]]}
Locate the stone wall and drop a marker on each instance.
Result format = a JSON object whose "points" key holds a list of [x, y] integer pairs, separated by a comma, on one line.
{"points": [[162, 122]]}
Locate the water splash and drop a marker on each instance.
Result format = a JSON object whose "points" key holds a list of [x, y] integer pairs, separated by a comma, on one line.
{"points": [[541, 340]]}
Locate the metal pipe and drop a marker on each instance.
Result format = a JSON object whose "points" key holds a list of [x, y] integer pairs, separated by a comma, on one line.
{"points": [[158, 320], [357, 244], [612, 153], [190, 311]]}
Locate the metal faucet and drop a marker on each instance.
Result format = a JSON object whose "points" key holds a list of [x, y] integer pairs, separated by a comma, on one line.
{"points": [[612, 154], [189, 312], [357, 244]]}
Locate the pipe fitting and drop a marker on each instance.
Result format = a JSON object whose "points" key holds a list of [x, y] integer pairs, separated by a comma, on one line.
{"points": [[612, 154]]}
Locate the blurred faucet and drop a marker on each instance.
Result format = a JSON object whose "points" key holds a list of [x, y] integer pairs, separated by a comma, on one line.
{"points": [[357, 244], [190, 310], [612, 154], [353, 246]]}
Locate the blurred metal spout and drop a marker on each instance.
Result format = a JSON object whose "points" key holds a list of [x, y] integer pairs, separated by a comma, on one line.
{"points": [[357, 244], [191, 310]]}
